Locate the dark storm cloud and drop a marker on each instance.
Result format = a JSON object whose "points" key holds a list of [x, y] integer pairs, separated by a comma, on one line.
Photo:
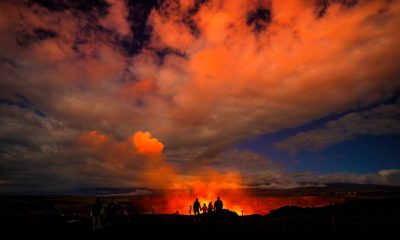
{"points": [[383, 177], [91, 14], [35, 156], [98, 6], [25, 38], [22, 102], [30, 147], [43, 34], [259, 18], [381, 120], [138, 15]]}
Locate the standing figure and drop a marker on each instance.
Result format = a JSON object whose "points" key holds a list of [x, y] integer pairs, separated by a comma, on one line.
{"points": [[96, 207], [196, 207], [210, 207], [111, 211], [103, 213], [204, 208], [218, 205]]}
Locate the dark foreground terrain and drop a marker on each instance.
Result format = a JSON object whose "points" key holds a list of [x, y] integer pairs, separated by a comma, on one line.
{"points": [[359, 219]]}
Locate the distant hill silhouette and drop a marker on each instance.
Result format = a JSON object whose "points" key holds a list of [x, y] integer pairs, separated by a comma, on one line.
{"points": [[361, 207]]}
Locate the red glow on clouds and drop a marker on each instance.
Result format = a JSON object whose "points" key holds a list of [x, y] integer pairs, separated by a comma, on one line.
{"points": [[204, 81], [180, 189], [93, 139], [155, 172]]}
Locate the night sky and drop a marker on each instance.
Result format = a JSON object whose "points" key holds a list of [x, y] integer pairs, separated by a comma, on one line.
{"points": [[165, 94]]}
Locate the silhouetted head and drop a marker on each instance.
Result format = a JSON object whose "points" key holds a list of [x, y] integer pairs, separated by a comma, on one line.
{"points": [[197, 199], [218, 198]]}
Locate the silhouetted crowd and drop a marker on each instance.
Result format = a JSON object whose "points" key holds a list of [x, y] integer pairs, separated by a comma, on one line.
{"points": [[217, 207], [106, 213], [102, 213]]}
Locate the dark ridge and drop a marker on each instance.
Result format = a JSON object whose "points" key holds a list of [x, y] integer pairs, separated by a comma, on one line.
{"points": [[259, 19], [323, 5], [99, 6], [384, 206]]}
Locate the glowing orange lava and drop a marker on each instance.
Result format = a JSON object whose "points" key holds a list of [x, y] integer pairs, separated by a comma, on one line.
{"points": [[181, 202]]}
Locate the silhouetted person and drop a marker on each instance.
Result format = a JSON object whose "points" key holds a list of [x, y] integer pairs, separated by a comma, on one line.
{"points": [[204, 208], [103, 213], [111, 210], [196, 207], [210, 207], [96, 207], [218, 205]]}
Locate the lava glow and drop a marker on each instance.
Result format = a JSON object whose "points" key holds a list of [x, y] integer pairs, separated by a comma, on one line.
{"points": [[237, 203], [180, 189]]}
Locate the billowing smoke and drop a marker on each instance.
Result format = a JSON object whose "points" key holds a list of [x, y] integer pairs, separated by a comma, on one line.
{"points": [[154, 170], [146, 145]]}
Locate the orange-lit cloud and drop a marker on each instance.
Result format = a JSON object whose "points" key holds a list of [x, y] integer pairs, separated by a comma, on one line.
{"points": [[138, 156], [93, 139], [235, 83], [146, 144]]}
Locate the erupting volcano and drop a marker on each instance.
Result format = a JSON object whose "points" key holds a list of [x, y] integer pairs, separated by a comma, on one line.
{"points": [[177, 191], [181, 201], [130, 107]]}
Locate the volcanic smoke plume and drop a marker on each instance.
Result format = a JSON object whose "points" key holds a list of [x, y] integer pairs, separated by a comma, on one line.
{"points": [[155, 172], [180, 189]]}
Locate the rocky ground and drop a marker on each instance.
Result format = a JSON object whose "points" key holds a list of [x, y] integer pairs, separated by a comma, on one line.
{"points": [[371, 218]]}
